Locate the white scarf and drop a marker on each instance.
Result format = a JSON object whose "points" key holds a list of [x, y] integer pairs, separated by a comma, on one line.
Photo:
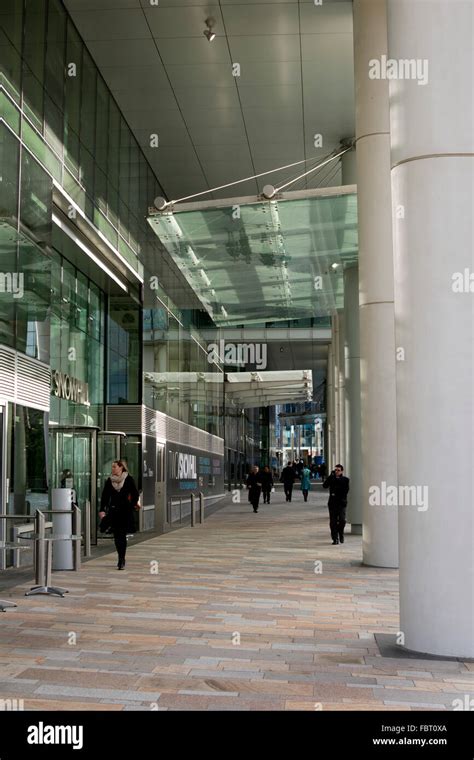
{"points": [[118, 480]]}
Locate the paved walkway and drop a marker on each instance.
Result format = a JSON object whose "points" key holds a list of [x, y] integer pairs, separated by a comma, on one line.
{"points": [[236, 615]]}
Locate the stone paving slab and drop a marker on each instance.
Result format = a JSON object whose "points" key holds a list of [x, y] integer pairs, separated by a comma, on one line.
{"points": [[235, 619]]}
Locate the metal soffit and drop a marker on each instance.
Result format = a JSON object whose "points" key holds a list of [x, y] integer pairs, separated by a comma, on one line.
{"points": [[214, 122]]}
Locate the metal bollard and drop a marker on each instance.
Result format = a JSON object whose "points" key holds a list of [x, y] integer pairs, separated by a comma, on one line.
{"points": [[40, 548], [76, 544], [87, 530], [201, 507], [180, 510], [193, 515]]}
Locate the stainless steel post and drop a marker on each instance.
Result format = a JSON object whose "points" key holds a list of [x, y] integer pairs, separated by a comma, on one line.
{"points": [[49, 558], [76, 543], [40, 549], [87, 530], [201, 507]]}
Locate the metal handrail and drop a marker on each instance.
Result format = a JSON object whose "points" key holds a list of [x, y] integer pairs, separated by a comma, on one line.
{"points": [[43, 557]]}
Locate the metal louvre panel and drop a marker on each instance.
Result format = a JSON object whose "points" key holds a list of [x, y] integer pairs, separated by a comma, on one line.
{"points": [[149, 421], [180, 432], [7, 373], [127, 418], [24, 380], [161, 425], [134, 419], [33, 383]]}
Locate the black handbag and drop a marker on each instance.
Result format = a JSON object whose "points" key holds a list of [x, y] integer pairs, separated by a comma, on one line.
{"points": [[105, 523]]}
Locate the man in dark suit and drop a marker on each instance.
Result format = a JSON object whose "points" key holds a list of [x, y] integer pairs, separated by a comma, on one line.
{"points": [[338, 486], [288, 476]]}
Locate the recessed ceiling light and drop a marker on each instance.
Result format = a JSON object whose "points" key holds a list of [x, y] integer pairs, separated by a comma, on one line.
{"points": [[335, 265]]}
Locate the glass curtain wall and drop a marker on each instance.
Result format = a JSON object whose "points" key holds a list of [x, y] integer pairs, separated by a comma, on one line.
{"points": [[178, 378], [72, 124], [77, 339]]}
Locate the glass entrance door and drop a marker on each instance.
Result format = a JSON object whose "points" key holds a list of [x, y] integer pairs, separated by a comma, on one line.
{"points": [[74, 465], [108, 451]]}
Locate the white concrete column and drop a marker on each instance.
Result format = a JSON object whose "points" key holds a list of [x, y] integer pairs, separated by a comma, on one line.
{"points": [[376, 309], [353, 462], [341, 398], [336, 378], [432, 128], [330, 408]]}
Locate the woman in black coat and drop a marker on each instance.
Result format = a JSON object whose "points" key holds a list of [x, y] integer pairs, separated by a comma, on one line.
{"points": [[254, 484], [119, 500]]}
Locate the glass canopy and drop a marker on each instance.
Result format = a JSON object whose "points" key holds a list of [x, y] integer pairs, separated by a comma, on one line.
{"points": [[252, 260], [254, 389]]}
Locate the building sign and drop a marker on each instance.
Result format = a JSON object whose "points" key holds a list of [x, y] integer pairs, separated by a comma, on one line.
{"points": [[193, 470], [182, 466], [69, 388]]}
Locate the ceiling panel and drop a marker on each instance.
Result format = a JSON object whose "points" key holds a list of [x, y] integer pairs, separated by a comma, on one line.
{"points": [[201, 75], [175, 3], [197, 50], [277, 96], [168, 135], [94, 5], [213, 137], [133, 99], [277, 73], [265, 48], [136, 77], [328, 18], [263, 126], [183, 21], [155, 117], [115, 24], [107, 53], [196, 118], [208, 97], [258, 19]]}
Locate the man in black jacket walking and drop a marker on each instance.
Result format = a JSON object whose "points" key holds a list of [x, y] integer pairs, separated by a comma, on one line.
{"points": [[338, 486], [288, 476]]}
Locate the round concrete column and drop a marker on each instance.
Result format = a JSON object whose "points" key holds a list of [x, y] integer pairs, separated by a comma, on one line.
{"points": [[376, 308], [330, 409], [341, 398], [335, 343], [432, 125], [353, 462]]}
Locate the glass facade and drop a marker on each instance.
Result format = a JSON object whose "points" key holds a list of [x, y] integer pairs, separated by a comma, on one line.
{"points": [[71, 123], [26, 460], [63, 133], [77, 340]]}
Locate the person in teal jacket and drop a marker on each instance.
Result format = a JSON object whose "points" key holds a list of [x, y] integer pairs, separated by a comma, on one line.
{"points": [[305, 482]]}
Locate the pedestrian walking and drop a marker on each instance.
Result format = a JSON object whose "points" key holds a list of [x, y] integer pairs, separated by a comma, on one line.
{"points": [[267, 484], [305, 482], [338, 486], [120, 498], [254, 484], [288, 475]]}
